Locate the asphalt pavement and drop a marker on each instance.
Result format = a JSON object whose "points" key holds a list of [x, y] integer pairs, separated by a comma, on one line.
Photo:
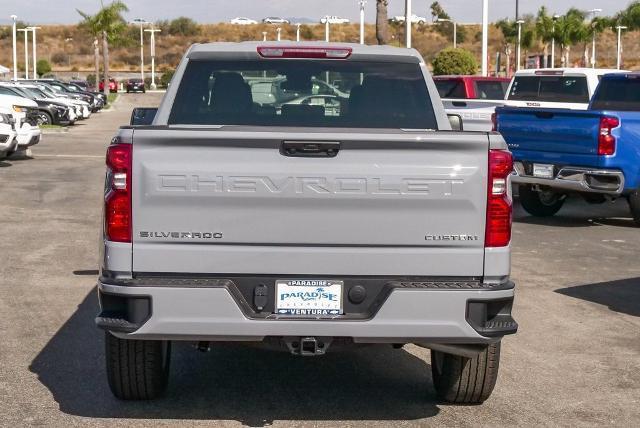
{"points": [[574, 362]]}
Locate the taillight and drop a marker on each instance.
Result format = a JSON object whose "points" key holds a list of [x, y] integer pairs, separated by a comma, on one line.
{"points": [[303, 52], [499, 209], [117, 200], [606, 140]]}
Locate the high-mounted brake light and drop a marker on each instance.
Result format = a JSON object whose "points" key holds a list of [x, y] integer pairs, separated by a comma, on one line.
{"points": [[303, 52], [499, 208], [606, 140], [117, 200], [549, 73]]}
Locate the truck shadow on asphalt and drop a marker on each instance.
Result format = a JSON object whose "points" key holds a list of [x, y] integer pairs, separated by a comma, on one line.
{"points": [[620, 296], [233, 382], [578, 213]]}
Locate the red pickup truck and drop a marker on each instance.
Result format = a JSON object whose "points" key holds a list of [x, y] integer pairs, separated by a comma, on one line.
{"points": [[472, 87], [473, 98]]}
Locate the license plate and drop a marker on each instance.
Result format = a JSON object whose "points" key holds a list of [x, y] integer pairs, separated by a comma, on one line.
{"points": [[542, 170], [310, 297]]}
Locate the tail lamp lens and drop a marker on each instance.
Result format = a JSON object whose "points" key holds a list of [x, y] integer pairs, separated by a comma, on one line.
{"points": [[606, 140], [117, 200], [499, 208]]}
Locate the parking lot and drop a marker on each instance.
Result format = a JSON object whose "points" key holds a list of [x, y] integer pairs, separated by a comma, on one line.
{"points": [[575, 360]]}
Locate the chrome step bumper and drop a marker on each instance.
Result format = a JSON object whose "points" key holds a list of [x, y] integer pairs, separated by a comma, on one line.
{"points": [[576, 179]]}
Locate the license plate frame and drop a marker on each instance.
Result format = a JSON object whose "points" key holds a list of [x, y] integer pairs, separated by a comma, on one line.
{"points": [[543, 170], [309, 297]]}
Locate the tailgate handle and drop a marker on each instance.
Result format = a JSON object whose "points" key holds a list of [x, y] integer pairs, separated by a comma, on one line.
{"points": [[459, 103], [544, 115], [310, 149]]}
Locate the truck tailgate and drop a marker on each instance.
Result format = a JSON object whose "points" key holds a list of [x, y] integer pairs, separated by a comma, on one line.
{"points": [[230, 201], [558, 131]]}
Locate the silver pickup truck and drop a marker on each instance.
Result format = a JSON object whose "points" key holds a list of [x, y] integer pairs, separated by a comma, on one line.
{"points": [[316, 219]]}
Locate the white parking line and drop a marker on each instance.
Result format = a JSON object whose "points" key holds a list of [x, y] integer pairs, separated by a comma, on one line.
{"points": [[71, 156]]}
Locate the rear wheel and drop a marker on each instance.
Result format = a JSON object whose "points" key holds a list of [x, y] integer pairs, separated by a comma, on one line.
{"points": [[463, 380], [137, 369], [543, 203], [634, 204]]}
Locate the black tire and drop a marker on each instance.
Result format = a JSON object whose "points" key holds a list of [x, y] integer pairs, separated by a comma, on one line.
{"points": [[540, 204], [634, 205], [44, 118], [137, 369], [462, 380]]}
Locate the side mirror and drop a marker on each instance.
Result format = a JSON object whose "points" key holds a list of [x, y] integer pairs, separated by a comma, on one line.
{"points": [[456, 122], [143, 115]]}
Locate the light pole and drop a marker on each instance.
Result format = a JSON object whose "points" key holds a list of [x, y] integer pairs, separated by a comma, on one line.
{"points": [[298, 32], [278, 31], [35, 61], [142, 23], [326, 28], [485, 37], [362, 3], [15, 49], [553, 40], [619, 56], [26, 51], [67, 40], [153, 32], [519, 22], [594, 12], [407, 21], [455, 29]]}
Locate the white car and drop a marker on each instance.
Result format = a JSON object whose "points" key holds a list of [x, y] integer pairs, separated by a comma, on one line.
{"points": [[415, 19], [243, 21], [570, 88], [8, 140], [275, 20], [27, 134], [334, 20]]}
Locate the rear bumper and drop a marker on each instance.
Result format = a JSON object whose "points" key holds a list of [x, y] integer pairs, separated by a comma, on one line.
{"points": [[575, 179], [215, 312]]}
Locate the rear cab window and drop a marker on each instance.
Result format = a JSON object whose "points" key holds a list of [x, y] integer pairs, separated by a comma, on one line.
{"points": [[451, 88], [563, 89], [491, 90], [303, 93], [621, 94]]}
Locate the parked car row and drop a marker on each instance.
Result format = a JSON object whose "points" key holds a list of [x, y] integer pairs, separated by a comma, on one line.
{"points": [[26, 105], [242, 20]]}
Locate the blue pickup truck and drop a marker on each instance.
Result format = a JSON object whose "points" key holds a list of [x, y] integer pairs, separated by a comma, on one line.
{"points": [[593, 153]]}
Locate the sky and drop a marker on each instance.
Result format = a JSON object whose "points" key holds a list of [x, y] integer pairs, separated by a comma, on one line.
{"points": [[209, 11]]}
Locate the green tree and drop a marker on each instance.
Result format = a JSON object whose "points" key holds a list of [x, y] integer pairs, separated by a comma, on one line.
{"points": [[437, 11], [630, 17], [446, 28], [454, 61], [571, 30], [509, 30], [382, 31], [165, 79], [545, 31], [43, 67], [183, 26], [108, 24]]}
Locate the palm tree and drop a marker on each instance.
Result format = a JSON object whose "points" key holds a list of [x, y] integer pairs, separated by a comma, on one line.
{"points": [[570, 30], [509, 31], [381, 21], [544, 31], [108, 24]]}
